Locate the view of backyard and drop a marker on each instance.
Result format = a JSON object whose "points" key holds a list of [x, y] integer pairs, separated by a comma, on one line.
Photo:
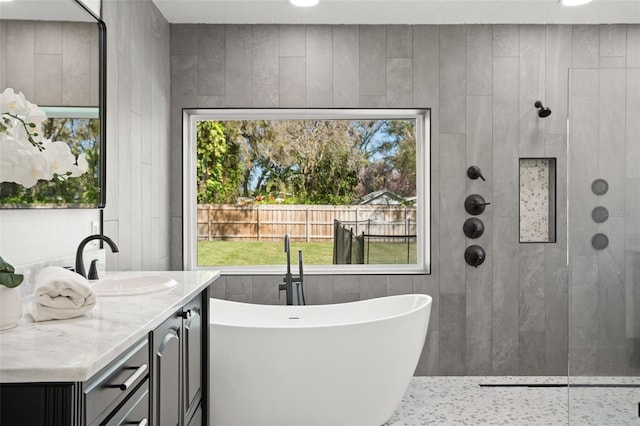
{"points": [[258, 180]]}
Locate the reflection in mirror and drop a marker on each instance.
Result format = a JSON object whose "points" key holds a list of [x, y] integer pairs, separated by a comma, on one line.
{"points": [[53, 53], [79, 128]]}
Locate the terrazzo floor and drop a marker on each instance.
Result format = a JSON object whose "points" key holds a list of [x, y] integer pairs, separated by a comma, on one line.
{"points": [[463, 401]]}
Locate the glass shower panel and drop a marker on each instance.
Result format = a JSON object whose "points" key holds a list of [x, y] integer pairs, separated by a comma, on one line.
{"points": [[604, 246]]}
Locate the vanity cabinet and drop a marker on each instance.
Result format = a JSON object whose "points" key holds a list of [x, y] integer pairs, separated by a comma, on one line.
{"points": [[180, 366], [161, 380]]}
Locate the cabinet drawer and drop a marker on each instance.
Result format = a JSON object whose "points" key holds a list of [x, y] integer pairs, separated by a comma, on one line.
{"points": [[135, 411], [116, 382]]}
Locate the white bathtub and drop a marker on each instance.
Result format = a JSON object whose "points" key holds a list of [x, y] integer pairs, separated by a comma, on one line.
{"points": [[326, 365]]}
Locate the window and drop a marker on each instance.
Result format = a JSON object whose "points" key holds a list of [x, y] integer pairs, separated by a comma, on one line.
{"points": [[349, 187]]}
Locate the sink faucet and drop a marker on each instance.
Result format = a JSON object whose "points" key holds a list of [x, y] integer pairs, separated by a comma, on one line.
{"points": [[290, 279], [79, 259]]}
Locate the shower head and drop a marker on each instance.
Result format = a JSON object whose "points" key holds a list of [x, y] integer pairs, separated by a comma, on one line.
{"points": [[542, 111]]}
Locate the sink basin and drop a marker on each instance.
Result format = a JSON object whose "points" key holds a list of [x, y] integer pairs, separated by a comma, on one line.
{"points": [[132, 285]]}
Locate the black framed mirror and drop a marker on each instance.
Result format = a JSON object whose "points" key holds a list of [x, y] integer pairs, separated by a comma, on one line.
{"points": [[54, 54]]}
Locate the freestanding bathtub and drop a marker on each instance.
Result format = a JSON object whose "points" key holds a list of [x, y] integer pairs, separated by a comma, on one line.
{"points": [[325, 365]]}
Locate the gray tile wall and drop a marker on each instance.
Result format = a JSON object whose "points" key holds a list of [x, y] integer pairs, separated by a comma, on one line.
{"points": [[507, 317], [52, 63], [137, 214]]}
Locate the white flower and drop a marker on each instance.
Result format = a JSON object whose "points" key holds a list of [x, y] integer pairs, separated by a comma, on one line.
{"points": [[59, 157], [25, 155], [21, 163], [16, 104]]}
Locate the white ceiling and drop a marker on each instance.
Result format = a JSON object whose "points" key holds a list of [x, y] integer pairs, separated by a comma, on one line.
{"points": [[399, 12]]}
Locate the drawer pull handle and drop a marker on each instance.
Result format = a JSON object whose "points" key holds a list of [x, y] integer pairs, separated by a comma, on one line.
{"points": [[143, 422], [135, 376]]}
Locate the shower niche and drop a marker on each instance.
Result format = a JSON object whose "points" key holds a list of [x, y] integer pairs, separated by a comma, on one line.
{"points": [[537, 200]]}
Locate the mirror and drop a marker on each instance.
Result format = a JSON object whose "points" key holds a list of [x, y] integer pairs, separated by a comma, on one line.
{"points": [[54, 52]]}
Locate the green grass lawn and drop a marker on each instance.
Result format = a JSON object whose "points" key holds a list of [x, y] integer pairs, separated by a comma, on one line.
{"points": [[237, 253]]}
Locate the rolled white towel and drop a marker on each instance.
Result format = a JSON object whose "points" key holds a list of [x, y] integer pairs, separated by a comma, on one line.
{"points": [[61, 294]]}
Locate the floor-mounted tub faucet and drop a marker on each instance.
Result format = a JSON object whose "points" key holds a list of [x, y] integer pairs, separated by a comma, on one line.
{"points": [[290, 280], [79, 253]]}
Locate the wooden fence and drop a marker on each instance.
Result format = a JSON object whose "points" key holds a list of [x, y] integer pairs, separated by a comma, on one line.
{"points": [[310, 223]]}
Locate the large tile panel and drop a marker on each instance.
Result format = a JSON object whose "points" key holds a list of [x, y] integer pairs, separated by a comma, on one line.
{"points": [[238, 66], [479, 59], [531, 86], [211, 60], [452, 79], [346, 66], [452, 345], [319, 72], [20, 62], [265, 62]]}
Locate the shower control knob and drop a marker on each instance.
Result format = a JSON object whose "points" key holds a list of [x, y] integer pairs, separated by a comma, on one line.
{"points": [[474, 172], [475, 204], [474, 255], [473, 227]]}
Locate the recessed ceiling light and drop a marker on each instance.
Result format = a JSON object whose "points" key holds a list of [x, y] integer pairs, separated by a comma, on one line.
{"points": [[304, 3], [574, 2]]}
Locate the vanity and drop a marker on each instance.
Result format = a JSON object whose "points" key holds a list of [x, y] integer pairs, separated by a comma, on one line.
{"points": [[137, 360]]}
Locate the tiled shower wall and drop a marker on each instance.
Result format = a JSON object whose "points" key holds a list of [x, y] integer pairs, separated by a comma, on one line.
{"points": [[508, 316]]}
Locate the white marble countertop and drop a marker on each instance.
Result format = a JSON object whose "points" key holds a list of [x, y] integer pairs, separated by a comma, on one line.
{"points": [[73, 350]]}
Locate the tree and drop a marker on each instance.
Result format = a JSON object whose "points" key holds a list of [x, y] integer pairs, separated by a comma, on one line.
{"points": [[322, 161], [392, 160], [219, 172], [257, 154], [310, 161], [403, 179]]}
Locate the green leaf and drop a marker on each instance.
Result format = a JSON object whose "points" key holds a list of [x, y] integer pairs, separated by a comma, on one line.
{"points": [[7, 276], [10, 280], [6, 266]]}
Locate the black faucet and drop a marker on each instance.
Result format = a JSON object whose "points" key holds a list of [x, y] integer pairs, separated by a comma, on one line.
{"points": [[289, 279], [79, 259]]}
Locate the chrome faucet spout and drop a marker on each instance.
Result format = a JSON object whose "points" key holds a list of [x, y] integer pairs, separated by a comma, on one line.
{"points": [[79, 253]]}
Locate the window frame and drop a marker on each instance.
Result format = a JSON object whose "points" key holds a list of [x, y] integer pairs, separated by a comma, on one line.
{"points": [[190, 117]]}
